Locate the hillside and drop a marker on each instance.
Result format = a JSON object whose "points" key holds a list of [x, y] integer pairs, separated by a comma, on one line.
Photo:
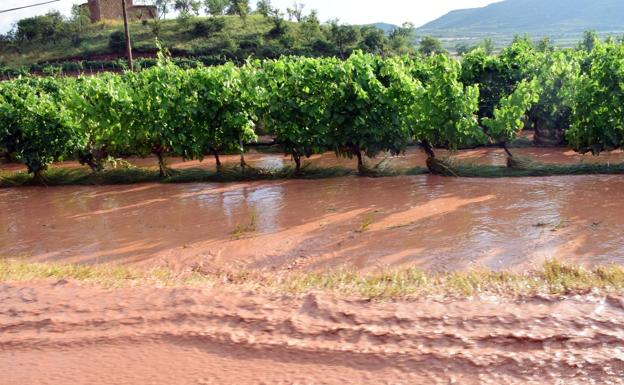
{"points": [[182, 37], [562, 19], [387, 28], [224, 38]]}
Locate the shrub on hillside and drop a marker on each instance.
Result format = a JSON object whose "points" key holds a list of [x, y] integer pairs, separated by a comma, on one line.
{"points": [[204, 28], [117, 41]]}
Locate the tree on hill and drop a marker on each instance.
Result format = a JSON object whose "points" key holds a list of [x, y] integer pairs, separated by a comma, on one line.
{"points": [[280, 27], [430, 46], [296, 12], [49, 26], [80, 17], [401, 38], [374, 40], [342, 36], [310, 27], [264, 7], [162, 6], [187, 7], [216, 7], [239, 7]]}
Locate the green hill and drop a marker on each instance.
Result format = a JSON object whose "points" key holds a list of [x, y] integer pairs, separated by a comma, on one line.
{"points": [[227, 38], [387, 28], [563, 19]]}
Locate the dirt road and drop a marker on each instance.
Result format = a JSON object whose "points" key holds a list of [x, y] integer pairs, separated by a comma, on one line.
{"points": [[65, 333]]}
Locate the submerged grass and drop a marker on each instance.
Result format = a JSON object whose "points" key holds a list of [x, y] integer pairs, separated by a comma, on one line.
{"points": [[132, 175], [554, 278], [533, 169], [454, 168]]}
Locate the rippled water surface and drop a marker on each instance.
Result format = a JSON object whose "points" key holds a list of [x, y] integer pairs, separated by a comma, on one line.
{"points": [[425, 221]]}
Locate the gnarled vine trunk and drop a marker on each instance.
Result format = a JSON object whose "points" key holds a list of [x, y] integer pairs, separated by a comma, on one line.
{"points": [[510, 158], [38, 175], [297, 158], [215, 153], [243, 164], [162, 166], [90, 161], [426, 146], [357, 152], [520, 163]]}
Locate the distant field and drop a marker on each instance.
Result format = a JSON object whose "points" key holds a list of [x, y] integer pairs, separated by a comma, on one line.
{"points": [[567, 40]]}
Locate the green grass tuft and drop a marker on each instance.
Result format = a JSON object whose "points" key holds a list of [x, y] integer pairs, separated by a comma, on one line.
{"points": [[132, 175], [532, 169], [554, 278]]}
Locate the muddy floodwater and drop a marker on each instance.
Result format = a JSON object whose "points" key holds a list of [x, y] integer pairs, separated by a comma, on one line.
{"points": [[425, 221], [64, 333]]}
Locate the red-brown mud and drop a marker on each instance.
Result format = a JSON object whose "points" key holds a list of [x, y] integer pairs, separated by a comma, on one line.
{"points": [[59, 332], [429, 222], [414, 157], [63, 333]]}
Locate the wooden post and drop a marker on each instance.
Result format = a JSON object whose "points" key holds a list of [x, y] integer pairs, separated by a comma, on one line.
{"points": [[127, 32]]}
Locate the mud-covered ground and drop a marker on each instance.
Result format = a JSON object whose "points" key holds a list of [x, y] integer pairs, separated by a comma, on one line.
{"points": [[63, 333], [59, 332], [413, 157]]}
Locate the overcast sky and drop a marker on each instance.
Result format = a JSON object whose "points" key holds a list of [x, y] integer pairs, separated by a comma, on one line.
{"points": [[348, 11]]}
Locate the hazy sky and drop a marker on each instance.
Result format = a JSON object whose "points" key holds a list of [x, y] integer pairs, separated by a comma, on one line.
{"points": [[348, 11]]}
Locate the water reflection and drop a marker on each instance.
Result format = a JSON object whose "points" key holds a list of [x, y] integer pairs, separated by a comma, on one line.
{"points": [[425, 221]]}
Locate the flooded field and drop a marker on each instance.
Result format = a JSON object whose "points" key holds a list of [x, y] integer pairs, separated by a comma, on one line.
{"points": [[230, 335], [429, 222]]}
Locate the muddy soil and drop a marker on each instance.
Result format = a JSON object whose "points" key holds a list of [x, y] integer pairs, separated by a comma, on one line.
{"points": [[414, 157], [429, 222], [63, 333]]}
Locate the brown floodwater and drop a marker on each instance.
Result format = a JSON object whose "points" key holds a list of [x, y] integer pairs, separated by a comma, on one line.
{"points": [[430, 222], [60, 332]]}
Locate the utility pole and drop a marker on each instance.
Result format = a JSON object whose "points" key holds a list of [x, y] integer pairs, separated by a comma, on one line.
{"points": [[127, 32]]}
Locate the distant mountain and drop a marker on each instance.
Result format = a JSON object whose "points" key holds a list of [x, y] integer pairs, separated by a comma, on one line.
{"points": [[535, 17], [387, 28]]}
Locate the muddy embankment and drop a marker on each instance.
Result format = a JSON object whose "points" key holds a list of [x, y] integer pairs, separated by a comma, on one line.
{"points": [[63, 333], [414, 157]]}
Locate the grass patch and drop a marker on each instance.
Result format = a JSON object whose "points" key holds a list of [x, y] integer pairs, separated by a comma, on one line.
{"points": [[533, 169], [240, 230], [81, 176], [522, 142], [107, 276], [554, 278], [367, 221], [131, 175]]}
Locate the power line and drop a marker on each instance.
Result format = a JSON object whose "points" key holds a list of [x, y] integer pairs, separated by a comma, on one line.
{"points": [[28, 6]]}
